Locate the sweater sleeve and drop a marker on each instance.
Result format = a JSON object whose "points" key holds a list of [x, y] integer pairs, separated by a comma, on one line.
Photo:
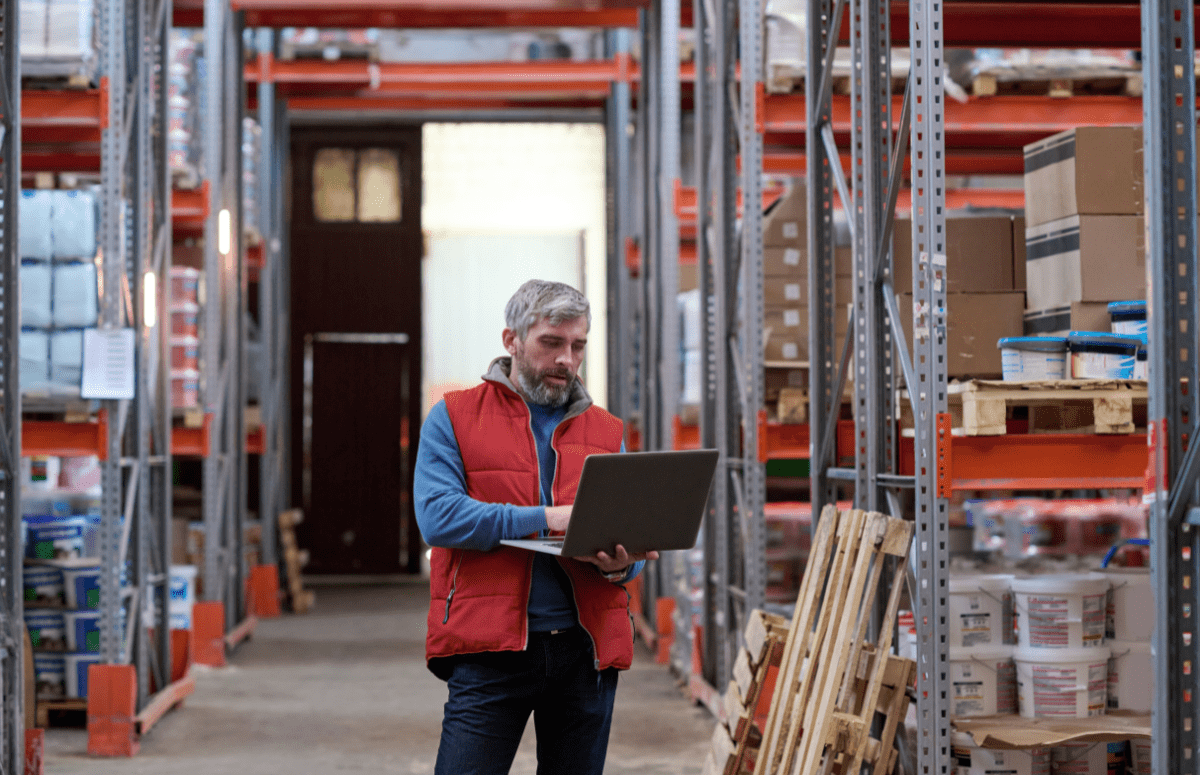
{"points": [[447, 516]]}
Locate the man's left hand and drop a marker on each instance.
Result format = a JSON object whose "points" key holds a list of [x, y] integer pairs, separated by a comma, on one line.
{"points": [[619, 560]]}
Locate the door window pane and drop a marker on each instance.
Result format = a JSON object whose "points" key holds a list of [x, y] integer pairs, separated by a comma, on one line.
{"points": [[333, 184], [378, 185]]}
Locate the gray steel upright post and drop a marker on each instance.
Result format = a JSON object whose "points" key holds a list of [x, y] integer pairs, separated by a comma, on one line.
{"points": [[930, 556], [651, 114], [823, 389], [113, 228], [1169, 126], [750, 352], [667, 255], [12, 733], [235, 329], [270, 402], [619, 187]]}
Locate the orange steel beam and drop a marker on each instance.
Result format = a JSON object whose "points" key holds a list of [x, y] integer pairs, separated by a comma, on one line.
{"points": [[66, 439], [193, 442], [962, 161], [378, 102], [956, 198], [163, 701], [243, 631], [1049, 461], [417, 14], [1034, 114]]}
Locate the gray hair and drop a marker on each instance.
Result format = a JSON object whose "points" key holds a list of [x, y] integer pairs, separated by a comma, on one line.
{"points": [[538, 299]]}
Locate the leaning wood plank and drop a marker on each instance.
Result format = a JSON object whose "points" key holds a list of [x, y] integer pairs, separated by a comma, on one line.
{"points": [[798, 640], [734, 704], [823, 592], [743, 672], [759, 631], [896, 710], [838, 647], [722, 748]]}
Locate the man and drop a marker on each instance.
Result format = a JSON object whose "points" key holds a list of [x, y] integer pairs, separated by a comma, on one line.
{"points": [[515, 632]]}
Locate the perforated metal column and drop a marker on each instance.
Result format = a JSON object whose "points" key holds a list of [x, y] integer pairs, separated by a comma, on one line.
{"points": [[1169, 110], [12, 755], [619, 192], [930, 552]]}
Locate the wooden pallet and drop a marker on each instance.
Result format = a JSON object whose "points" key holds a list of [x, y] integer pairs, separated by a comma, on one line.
{"points": [[294, 560], [832, 682], [735, 742], [67, 712], [1094, 406], [988, 85]]}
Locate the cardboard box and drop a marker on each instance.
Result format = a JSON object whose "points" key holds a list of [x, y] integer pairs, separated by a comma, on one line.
{"points": [[775, 379], [974, 323], [1018, 230], [1089, 170], [785, 332], [979, 254], [792, 261], [1085, 258], [785, 224], [689, 277], [1077, 316], [785, 291]]}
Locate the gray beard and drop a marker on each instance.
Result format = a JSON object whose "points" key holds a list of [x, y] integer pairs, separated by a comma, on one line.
{"points": [[537, 391]]}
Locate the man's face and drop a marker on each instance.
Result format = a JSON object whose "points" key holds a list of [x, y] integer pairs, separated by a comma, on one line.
{"points": [[546, 362]]}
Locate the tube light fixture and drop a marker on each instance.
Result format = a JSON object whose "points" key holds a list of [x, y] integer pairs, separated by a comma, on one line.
{"points": [[150, 300], [224, 241]]}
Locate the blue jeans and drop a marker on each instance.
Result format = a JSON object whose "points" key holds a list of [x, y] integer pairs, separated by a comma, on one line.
{"points": [[492, 695]]}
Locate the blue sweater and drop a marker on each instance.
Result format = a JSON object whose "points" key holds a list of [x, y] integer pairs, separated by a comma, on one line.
{"points": [[449, 518]]}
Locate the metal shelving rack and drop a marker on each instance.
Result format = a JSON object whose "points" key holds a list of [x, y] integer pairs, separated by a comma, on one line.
{"points": [[224, 467], [12, 711]]}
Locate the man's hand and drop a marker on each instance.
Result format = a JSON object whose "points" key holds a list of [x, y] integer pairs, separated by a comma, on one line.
{"points": [[620, 560], [557, 518]]}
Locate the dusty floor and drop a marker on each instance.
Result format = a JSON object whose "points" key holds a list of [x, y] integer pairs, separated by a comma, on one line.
{"points": [[345, 689]]}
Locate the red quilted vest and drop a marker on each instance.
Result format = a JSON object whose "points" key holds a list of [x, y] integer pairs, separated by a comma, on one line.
{"points": [[479, 600]]}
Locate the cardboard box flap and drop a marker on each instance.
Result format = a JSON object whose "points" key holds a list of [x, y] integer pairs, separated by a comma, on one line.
{"points": [[1019, 732]]}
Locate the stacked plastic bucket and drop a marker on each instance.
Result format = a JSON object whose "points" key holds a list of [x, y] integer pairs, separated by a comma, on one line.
{"points": [[64, 627]]}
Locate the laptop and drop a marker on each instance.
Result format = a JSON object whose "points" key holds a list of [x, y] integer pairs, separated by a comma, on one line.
{"points": [[641, 500]]}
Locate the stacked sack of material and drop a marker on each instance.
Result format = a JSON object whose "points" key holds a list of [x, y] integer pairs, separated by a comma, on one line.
{"points": [[183, 108], [59, 292], [58, 39]]}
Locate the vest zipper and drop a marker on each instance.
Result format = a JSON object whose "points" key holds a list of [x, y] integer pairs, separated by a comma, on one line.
{"points": [[595, 649], [453, 584]]}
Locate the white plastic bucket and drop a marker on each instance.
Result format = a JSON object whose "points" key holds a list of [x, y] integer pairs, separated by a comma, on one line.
{"points": [[1097, 355], [969, 759], [1130, 613], [1130, 676], [1033, 357], [983, 681], [43, 585], [981, 612], [47, 630], [1069, 683], [1064, 611], [1139, 756], [49, 675], [1089, 758]]}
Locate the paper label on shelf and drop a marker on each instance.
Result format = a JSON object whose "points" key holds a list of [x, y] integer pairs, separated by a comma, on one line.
{"points": [[791, 291], [791, 351], [791, 318], [939, 259], [791, 230], [791, 257], [108, 360]]}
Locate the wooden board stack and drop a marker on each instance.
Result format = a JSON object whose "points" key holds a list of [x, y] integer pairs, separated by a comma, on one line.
{"points": [[735, 742], [831, 681], [294, 559]]}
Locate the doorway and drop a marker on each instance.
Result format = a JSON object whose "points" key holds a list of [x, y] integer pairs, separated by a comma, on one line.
{"points": [[355, 345]]}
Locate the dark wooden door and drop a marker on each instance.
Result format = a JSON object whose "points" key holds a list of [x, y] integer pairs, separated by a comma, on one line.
{"points": [[356, 270]]}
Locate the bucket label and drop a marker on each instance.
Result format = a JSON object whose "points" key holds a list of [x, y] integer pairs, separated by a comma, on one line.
{"points": [[1048, 621], [976, 629], [968, 698], [1094, 609], [1114, 682], [1006, 687], [1058, 691]]}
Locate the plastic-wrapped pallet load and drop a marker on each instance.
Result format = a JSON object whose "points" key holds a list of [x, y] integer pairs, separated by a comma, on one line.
{"points": [[66, 358], [69, 29], [35, 360], [73, 216], [35, 295], [34, 235], [76, 303], [33, 28]]}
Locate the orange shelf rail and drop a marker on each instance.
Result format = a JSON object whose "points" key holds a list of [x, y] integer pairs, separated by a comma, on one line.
{"points": [[422, 14], [780, 441], [1048, 461], [959, 161], [66, 439], [192, 442]]}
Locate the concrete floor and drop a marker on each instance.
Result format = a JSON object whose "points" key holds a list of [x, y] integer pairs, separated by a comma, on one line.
{"points": [[345, 689]]}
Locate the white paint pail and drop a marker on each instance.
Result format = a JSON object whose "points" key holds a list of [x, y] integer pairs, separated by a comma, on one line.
{"points": [[981, 612], [1065, 611], [1069, 683], [983, 681], [969, 759], [1130, 604], [1130, 676], [1089, 758], [1139, 756]]}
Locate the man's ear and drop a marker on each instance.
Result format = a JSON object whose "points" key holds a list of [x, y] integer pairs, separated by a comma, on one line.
{"points": [[509, 337]]}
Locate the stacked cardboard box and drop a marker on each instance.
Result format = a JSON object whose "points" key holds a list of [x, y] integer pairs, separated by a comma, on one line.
{"points": [[984, 293], [1083, 227]]}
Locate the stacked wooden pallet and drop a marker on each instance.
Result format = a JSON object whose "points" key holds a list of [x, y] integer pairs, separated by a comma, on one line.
{"points": [[832, 681], [294, 560], [735, 742]]}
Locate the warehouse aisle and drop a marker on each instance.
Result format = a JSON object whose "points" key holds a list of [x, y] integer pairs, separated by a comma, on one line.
{"points": [[345, 689]]}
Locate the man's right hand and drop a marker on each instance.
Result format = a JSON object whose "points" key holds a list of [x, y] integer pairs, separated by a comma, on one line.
{"points": [[557, 518]]}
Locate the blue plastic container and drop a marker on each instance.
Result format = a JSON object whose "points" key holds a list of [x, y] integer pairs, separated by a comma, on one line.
{"points": [[75, 673], [1099, 355], [47, 628], [1033, 357], [54, 538], [43, 585], [49, 671], [83, 631], [1128, 317], [82, 587]]}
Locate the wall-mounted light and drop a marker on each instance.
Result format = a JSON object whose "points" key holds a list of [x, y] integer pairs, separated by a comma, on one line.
{"points": [[224, 238], [149, 300]]}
